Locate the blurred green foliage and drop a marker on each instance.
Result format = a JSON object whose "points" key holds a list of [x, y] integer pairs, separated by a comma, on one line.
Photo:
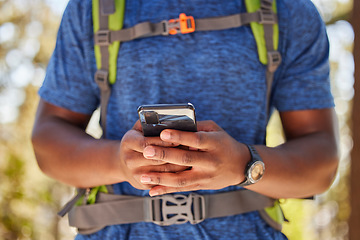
{"points": [[28, 199]]}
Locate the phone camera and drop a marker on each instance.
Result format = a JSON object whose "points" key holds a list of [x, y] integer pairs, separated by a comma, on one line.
{"points": [[151, 117]]}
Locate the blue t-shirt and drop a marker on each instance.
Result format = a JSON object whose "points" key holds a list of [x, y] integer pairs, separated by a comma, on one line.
{"points": [[218, 71]]}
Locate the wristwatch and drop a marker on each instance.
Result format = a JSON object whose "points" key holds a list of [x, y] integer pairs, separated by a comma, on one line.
{"points": [[255, 168]]}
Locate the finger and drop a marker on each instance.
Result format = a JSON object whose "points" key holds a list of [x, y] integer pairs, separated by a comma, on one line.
{"points": [[167, 167], [135, 141], [208, 126], [176, 156], [167, 179], [136, 160], [181, 180], [194, 140], [171, 168], [161, 190]]}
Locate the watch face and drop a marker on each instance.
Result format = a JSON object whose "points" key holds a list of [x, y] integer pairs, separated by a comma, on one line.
{"points": [[257, 171]]}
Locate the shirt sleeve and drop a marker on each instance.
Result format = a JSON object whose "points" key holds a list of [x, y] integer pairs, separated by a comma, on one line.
{"points": [[303, 80], [69, 79]]}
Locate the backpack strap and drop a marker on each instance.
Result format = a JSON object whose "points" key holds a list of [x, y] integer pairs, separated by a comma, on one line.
{"points": [[164, 210], [184, 24], [274, 216], [266, 34], [108, 16]]}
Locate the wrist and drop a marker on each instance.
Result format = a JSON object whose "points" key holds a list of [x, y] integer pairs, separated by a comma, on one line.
{"points": [[245, 158], [254, 169], [114, 170]]}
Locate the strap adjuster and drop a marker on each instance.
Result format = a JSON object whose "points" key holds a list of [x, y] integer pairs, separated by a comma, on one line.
{"points": [[102, 38], [274, 60], [266, 4], [177, 209], [267, 17], [101, 78], [184, 24]]}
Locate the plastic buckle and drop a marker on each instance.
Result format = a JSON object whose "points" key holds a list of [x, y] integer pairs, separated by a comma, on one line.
{"points": [[101, 78], [184, 24], [102, 38], [267, 17], [177, 209], [274, 60]]}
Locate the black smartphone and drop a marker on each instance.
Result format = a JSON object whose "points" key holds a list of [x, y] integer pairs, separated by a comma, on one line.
{"points": [[157, 117]]}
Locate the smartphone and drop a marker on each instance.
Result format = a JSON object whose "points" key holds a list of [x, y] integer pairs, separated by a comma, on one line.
{"points": [[155, 118]]}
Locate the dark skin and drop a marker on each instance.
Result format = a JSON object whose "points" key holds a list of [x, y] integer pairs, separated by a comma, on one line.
{"points": [[303, 166]]}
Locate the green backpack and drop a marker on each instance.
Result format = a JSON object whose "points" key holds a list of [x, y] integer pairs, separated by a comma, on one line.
{"points": [[108, 16]]}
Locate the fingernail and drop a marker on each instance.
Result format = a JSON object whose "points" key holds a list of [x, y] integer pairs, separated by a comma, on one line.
{"points": [[145, 179], [153, 193], [166, 135], [149, 152]]}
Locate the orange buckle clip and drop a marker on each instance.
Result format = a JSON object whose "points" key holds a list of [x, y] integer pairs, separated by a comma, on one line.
{"points": [[184, 24]]}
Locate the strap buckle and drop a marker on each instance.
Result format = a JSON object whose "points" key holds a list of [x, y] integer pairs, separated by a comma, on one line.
{"points": [[101, 78], [102, 38], [184, 24], [177, 209], [274, 60], [267, 17], [266, 4]]}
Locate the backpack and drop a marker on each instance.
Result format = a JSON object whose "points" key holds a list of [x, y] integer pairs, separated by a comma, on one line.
{"points": [[108, 18]]}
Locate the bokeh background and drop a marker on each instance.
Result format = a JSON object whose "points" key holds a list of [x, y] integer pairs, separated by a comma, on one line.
{"points": [[29, 200]]}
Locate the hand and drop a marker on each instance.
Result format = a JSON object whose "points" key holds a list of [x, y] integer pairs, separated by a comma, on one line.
{"points": [[132, 162], [216, 160]]}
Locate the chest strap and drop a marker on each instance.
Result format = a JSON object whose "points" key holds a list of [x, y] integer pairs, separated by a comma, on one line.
{"points": [[184, 24], [165, 210]]}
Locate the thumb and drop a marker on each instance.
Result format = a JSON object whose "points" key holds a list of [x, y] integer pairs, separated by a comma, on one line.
{"points": [[137, 126]]}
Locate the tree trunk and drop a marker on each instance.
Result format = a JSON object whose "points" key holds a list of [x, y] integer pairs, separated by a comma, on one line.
{"points": [[354, 223]]}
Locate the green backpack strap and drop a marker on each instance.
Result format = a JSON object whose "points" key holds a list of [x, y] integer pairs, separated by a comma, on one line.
{"points": [[266, 35], [258, 28], [108, 16]]}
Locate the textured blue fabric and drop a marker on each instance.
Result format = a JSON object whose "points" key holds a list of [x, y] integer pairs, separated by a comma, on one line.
{"points": [[218, 71]]}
